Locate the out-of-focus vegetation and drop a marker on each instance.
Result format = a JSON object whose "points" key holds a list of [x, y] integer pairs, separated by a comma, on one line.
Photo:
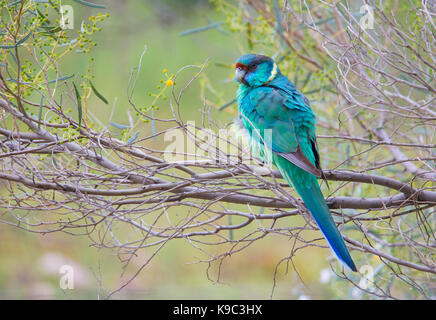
{"points": [[30, 263], [171, 34]]}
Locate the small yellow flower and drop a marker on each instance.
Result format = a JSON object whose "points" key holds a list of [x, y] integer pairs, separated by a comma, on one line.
{"points": [[164, 71], [169, 83]]}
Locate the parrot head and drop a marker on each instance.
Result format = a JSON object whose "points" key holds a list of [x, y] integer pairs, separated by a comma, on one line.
{"points": [[254, 70]]}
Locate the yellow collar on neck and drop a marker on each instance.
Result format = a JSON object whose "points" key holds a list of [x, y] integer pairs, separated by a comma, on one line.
{"points": [[273, 74]]}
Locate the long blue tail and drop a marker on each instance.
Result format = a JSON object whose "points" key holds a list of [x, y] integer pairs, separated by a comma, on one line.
{"points": [[315, 202], [308, 188]]}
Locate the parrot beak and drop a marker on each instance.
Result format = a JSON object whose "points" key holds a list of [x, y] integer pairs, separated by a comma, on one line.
{"points": [[240, 75]]}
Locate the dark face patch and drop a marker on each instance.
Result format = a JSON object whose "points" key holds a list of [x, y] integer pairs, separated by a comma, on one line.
{"points": [[258, 59]]}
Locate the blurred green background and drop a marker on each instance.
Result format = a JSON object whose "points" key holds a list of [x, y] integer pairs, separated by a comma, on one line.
{"points": [[30, 263]]}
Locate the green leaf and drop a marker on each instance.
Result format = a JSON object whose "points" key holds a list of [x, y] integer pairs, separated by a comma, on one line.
{"points": [[6, 47], [296, 76], [24, 38], [40, 13], [48, 82], [20, 42], [14, 3], [153, 128], [279, 21], [229, 217], [40, 111], [89, 4], [98, 94], [51, 29], [79, 103], [250, 36], [61, 79], [14, 57], [225, 65], [306, 81]]}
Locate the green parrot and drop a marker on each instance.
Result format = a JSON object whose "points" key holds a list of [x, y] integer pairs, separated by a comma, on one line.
{"points": [[281, 128]]}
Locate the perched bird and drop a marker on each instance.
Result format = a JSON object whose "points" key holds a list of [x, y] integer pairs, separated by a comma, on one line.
{"points": [[280, 126]]}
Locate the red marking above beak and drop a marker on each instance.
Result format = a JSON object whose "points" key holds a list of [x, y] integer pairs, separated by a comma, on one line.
{"points": [[240, 65]]}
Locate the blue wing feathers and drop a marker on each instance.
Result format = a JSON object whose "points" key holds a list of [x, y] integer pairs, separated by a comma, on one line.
{"points": [[280, 108]]}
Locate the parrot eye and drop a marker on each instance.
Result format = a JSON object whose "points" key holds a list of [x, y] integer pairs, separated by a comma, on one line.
{"points": [[252, 67]]}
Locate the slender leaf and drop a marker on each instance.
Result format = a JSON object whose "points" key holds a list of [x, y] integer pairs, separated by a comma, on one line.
{"points": [[40, 13], [201, 29], [48, 82], [296, 76], [133, 138], [227, 105], [225, 65], [153, 128], [61, 79], [14, 3], [79, 103], [119, 126], [317, 23], [218, 28], [43, 17], [89, 4], [19, 43], [279, 21], [306, 81], [230, 230], [40, 111], [283, 57], [249, 36], [24, 38], [98, 94], [50, 30]]}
